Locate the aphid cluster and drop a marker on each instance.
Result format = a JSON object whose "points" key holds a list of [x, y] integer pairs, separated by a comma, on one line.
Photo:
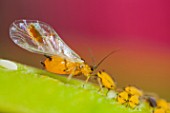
{"points": [[39, 37], [130, 96]]}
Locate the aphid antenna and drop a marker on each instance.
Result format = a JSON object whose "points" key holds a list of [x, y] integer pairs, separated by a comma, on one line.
{"points": [[101, 61], [91, 56]]}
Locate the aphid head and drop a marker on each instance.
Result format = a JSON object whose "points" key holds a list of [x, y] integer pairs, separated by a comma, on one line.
{"points": [[86, 69]]}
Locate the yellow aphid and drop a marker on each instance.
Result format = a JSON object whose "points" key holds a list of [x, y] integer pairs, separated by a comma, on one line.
{"points": [[133, 101], [39, 37], [133, 90], [122, 97], [159, 110], [106, 80], [161, 103]]}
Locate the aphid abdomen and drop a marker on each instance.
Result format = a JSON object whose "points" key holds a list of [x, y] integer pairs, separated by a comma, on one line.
{"points": [[58, 65], [55, 65]]}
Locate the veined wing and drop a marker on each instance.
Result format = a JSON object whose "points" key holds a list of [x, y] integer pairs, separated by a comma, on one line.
{"points": [[39, 37]]}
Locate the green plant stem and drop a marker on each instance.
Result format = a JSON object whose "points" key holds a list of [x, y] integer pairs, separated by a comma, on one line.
{"points": [[30, 90]]}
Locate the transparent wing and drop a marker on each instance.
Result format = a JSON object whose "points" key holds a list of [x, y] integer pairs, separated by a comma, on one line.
{"points": [[39, 37]]}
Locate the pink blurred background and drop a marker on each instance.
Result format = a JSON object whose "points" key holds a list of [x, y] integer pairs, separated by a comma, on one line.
{"points": [[139, 28]]}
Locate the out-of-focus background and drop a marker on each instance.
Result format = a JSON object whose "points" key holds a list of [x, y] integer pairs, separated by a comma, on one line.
{"points": [[139, 28]]}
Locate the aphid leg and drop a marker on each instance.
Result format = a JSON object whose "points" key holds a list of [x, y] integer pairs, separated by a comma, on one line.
{"points": [[49, 57], [65, 62], [87, 79], [100, 84], [126, 104], [42, 63], [101, 89], [70, 76], [107, 91]]}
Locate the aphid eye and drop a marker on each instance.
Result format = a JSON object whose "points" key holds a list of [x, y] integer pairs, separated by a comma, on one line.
{"points": [[100, 72]]}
